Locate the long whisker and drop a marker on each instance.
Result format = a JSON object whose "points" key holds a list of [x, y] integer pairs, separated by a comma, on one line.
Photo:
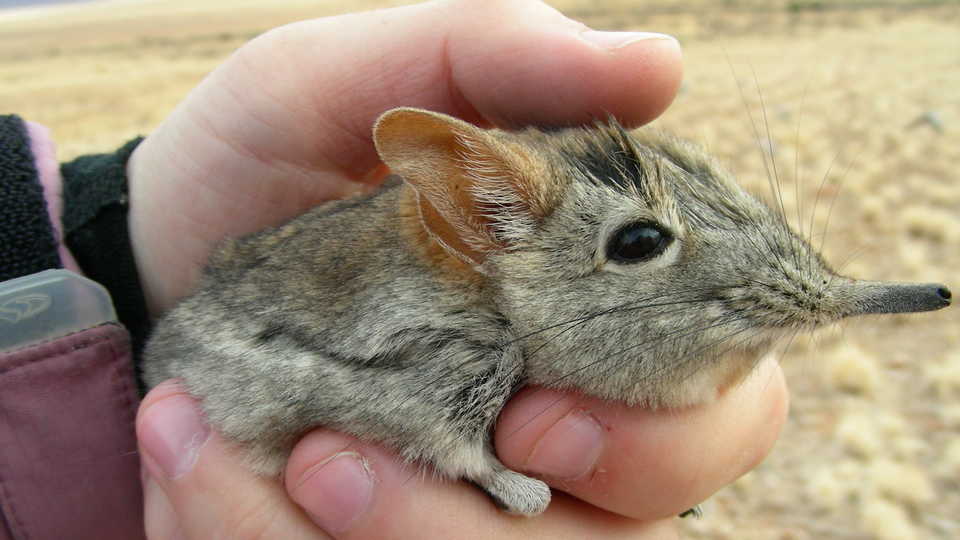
{"points": [[678, 334], [685, 306], [572, 322], [733, 317], [778, 193], [771, 249], [808, 270], [765, 254], [758, 282], [826, 225], [816, 202], [796, 159], [785, 226], [624, 310], [610, 310], [675, 334], [753, 125], [736, 343], [850, 258]]}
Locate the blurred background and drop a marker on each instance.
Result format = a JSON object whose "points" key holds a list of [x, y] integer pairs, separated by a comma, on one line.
{"points": [[856, 101]]}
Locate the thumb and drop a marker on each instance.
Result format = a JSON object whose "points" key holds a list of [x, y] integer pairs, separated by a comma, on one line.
{"points": [[196, 486], [639, 462]]}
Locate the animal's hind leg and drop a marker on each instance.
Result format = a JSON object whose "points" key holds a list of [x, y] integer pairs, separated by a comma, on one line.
{"points": [[514, 492]]}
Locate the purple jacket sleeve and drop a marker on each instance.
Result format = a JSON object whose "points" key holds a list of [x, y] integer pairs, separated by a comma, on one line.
{"points": [[69, 466]]}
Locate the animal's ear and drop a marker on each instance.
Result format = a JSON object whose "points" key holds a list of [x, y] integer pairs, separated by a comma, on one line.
{"points": [[477, 192]]}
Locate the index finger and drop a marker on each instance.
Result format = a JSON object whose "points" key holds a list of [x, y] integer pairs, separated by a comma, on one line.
{"points": [[507, 63]]}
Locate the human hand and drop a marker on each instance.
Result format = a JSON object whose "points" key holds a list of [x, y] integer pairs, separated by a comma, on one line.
{"points": [[629, 471], [285, 123], [273, 132]]}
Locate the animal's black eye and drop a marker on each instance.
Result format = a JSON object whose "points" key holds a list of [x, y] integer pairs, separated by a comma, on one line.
{"points": [[638, 242]]}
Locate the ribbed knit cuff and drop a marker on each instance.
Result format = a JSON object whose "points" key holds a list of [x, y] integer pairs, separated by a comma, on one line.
{"points": [[48, 173], [95, 209], [27, 238]]}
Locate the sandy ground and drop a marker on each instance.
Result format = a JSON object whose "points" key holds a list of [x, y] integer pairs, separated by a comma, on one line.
{"points": [[859, 97]]}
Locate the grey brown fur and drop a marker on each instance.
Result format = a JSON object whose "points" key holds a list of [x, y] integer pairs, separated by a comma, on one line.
{"points": [[409, 317]]}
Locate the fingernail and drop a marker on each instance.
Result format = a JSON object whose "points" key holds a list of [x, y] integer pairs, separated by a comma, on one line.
{"points": [[173, 433], [568, 450], [337, 491], [619, 40]]}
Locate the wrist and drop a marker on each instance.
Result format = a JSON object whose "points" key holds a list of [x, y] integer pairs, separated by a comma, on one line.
{"points": [[159, 238], [137, 208]]}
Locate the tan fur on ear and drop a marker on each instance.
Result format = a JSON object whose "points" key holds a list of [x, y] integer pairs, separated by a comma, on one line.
{"points": [[476, 193]]}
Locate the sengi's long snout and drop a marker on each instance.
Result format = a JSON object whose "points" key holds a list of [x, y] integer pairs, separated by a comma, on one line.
{"points": [[881, 297]]}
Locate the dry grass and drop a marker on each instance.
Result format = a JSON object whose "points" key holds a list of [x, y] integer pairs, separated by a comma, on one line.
{"points": [[872, 449]]}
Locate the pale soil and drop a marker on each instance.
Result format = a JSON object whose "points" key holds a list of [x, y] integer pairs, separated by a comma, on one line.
{"points": [[872, 447]]}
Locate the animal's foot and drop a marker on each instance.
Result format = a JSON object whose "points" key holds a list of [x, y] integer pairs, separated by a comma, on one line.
{"points": [[516, 493]]}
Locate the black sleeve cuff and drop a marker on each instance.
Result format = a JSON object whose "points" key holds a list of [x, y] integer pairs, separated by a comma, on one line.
{"points": [[94, 219], [27, 241]]}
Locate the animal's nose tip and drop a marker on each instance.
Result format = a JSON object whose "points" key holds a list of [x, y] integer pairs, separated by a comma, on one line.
{"points": [[878, 297], [944, 293]]}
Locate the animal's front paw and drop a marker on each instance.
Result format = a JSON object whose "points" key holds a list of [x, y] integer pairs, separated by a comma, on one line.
{"points": [[518, 494]]}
